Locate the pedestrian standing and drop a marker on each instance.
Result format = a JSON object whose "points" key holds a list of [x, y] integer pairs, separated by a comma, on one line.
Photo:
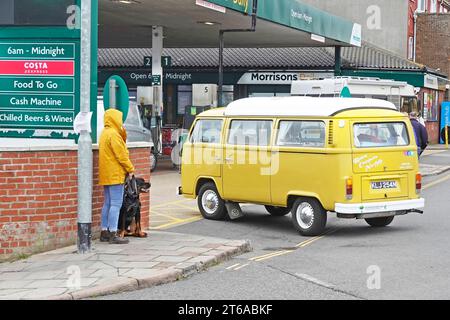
{"points": [[420, 133], [114, 165]]}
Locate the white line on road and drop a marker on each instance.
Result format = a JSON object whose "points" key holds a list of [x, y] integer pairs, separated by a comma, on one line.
{"points": [[309, 278], [234, 265]]}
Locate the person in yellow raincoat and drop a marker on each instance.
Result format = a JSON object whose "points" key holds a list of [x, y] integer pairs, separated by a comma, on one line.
{"points": [[114, 165]]}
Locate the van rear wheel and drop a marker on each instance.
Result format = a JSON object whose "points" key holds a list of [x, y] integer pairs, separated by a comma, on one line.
{"points": [[277, 211], [308, 216], [210, 203], [380, 222]]}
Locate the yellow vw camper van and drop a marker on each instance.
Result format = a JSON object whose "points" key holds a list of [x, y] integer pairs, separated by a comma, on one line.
{"points": [[305, 156]]}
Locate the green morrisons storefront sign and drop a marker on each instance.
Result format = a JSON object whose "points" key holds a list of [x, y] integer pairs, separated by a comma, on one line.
{"points": [[297, 15]]}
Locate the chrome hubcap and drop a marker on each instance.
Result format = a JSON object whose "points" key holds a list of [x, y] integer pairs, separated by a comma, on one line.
{"points": [[210, 202], [305, 215]]}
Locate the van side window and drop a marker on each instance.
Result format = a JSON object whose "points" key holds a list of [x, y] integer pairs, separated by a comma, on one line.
{"points": [[206, 131], [250, 132], [301, 134], [380, 134]]}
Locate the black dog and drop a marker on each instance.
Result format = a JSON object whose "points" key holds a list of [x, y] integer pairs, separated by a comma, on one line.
{"points": [[131, 207]]}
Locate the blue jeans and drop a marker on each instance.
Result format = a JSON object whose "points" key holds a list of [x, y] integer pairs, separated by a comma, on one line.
{"points": [[111, 206]]}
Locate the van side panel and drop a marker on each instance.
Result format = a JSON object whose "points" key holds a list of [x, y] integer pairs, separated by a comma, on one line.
{"points": [[309, 173]]}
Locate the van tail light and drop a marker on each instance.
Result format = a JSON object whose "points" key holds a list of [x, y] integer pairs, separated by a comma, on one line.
{"points": [[418, 183], [349, 188]]}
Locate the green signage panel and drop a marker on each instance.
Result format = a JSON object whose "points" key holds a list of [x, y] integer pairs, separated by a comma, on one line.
{"points": [[37, 85], [35, 101], [244, 6], [37, 51], [156, 80], [166, 62], [297, 15], [40, 69], [40, 119]]}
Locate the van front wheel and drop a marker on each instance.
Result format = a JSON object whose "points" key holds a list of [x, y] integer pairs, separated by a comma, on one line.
{"points": [[308, 216], [379, 222], [277, 211], [210, 203]]}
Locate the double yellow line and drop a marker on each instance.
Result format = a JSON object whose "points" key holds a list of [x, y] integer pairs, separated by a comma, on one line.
{"points": [[300, 245]]}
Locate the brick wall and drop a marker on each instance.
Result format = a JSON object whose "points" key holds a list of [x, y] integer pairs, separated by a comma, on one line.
{"points": [[38, 199], [433, 41]]}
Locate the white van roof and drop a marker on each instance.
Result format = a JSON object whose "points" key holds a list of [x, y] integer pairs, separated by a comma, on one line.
{"points": [[300, 106]]}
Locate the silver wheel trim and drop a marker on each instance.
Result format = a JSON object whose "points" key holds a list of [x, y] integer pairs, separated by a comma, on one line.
{"points": [[210, 201], [305, 215]]}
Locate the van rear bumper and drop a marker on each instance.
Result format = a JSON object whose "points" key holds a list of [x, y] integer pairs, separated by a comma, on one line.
{"points": [[373, 207]]}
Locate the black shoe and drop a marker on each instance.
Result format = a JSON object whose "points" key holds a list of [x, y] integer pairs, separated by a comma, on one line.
{"points": [[115, 239], [104, 236]]}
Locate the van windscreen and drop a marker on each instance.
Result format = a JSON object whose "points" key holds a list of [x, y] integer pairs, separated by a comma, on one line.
{"points": [[380, 134]]}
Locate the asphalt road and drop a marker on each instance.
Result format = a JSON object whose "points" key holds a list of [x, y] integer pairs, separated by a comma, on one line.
{"points": [[410, 259]]}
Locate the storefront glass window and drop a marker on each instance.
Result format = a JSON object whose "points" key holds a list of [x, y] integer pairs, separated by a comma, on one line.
{"points": [[184, 98], [430, 108], [227, 95]]}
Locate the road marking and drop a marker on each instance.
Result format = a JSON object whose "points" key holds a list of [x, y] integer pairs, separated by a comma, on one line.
{"points": [[265, 255], [436, 182], [186, 207], [300, 245], [165, 215], [308, 278], [314, 239], [273, 255], [234, 265], [244, 265], [170, 202], [178, 222]]}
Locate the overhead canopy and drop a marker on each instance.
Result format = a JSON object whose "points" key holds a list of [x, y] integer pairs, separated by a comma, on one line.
{"points": [[281, 23]]}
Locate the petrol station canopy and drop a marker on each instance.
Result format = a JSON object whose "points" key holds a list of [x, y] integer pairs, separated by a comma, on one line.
{"points": [[196, 23]]}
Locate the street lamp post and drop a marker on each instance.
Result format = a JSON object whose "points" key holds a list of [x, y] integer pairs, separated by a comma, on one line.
{"points": [[85, 141]]}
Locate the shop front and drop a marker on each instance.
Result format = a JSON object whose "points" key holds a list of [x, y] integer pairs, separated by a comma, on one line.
{"points": [[178, 94]]}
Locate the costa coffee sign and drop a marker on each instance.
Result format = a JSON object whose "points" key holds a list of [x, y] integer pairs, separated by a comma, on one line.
{"points": [[37, 67]]}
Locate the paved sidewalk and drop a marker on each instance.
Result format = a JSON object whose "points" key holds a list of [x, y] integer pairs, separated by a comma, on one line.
{"points": [[162, 257]]}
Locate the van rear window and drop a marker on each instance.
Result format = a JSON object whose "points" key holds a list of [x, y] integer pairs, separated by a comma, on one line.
{"points": [[380, 134]]}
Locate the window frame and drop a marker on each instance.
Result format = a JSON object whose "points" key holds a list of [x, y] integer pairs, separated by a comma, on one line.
{"points": [[202, 142], [378, 146], [230, 123], [276, 141]]}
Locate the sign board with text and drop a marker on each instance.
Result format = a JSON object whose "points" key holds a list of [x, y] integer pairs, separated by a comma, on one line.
{"points": [[39, 84], [40, 54], [166, 62]]}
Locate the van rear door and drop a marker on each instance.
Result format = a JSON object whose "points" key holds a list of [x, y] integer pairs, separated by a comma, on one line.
{"points": [[383, 158]]}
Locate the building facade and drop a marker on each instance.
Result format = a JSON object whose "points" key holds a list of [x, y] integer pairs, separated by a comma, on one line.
{"points": [[251, 72], [385, 23]]}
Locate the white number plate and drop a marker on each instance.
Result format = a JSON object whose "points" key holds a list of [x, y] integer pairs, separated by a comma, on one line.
{"points": [[377, 185]]}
